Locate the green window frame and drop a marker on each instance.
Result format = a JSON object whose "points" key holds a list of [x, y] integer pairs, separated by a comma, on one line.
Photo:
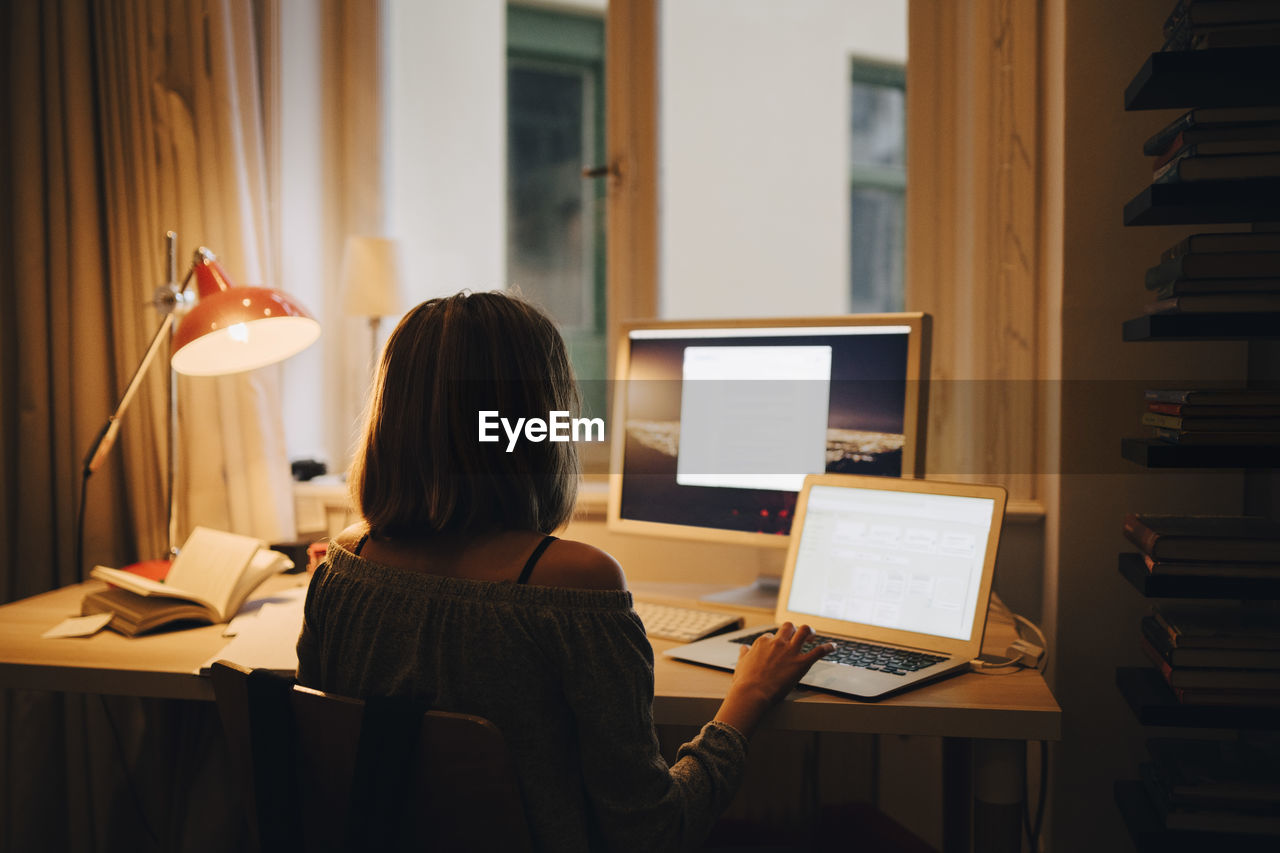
{"points": [[877, 198]]}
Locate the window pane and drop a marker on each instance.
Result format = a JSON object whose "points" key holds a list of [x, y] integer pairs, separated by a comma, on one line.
{"points": [[877, 227], [547, 247], [878, 114], [877, 186]]}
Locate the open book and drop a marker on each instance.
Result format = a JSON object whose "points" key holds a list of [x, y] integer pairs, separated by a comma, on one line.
{"points": [[209, 580]]}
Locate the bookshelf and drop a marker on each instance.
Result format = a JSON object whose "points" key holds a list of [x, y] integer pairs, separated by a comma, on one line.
{"points": [[1205, 202], [1153, 453], [1256, 326], [1196, 79], [1224, 77]]}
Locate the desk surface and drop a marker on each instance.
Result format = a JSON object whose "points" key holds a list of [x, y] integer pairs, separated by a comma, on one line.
{"points": [[1018, 706]]}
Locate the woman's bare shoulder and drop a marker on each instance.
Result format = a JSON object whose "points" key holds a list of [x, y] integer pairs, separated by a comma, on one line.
{"points": [[350, 537], [569, 563]]}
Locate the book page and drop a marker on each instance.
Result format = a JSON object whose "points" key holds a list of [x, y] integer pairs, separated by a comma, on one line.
{"points": [[264, 564], [210, 565], [138, 584], [268, 640]]}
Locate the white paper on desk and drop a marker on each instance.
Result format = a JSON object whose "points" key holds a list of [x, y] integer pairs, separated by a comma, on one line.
{"points": [[78, 626], [289, 596], [267, 641]]}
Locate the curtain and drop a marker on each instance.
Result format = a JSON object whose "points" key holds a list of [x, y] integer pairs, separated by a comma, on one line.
{"points": [[124, 118], [57, 388], [183, 148]]}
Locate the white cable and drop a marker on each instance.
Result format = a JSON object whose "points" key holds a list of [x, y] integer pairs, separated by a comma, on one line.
{"points": [[1022, 652]]}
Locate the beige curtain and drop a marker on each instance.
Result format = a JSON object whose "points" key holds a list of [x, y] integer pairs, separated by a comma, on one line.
{"points": [[183, 150], [123, 118]]}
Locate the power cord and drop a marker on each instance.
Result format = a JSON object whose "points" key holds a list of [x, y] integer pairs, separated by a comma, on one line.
{"points": [[1030, 650]]}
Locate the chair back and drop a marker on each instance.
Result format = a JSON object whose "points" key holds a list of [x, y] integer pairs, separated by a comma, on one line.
{"points": [[322, 772]]}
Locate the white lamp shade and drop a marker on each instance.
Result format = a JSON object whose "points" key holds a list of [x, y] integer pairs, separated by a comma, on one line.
{"points": [[246, 346], [232, 329], [371, 277]]}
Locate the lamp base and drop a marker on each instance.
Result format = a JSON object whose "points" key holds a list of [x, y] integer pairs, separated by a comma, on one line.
{"points": [[155, 570]]}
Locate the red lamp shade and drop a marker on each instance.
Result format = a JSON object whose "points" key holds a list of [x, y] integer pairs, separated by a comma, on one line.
{"points": [[232, 329]]}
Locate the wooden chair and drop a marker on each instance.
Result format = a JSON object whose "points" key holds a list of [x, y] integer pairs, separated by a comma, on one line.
{"points": [[324, 772]]}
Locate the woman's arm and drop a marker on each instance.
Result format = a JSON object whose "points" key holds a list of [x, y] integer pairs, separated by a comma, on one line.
{"points": [[637, 800]]}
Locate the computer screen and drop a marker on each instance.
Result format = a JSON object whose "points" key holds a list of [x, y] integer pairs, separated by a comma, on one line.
{"points": [[904, 560], [716, 424]]}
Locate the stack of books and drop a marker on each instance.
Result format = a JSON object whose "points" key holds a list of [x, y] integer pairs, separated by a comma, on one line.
{"points": [[1210, 546], [1218, 273], [1208, 24], [1212, 654], [1216, 655], [1215, 786], [1214, 417], [1217, 143]]}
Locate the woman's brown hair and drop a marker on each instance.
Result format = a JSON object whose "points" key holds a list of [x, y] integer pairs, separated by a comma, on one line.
{"points": [[420, 467]]}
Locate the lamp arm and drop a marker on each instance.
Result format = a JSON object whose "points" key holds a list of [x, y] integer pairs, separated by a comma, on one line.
{"points": [[107, 436], [166, 301]]}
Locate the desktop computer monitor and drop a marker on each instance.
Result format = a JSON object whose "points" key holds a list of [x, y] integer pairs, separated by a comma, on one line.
{"points": [[715, 424]]}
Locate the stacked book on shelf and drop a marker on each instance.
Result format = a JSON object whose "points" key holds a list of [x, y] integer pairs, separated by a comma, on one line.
{"points": [[1209, 24], [1217, 273], [1212, 654], [1216, 655], [1214, 417], [1209, 546], [1217, 143], [1215, 785]]}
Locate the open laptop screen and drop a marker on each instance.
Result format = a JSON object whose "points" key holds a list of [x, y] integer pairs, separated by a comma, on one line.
{"points": [[904, 560]]}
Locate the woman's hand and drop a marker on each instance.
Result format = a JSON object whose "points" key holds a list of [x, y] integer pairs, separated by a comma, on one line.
{"points": [[766, 672]]}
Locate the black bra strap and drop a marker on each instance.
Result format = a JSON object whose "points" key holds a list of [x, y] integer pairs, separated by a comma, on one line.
{"points": [[364, 537], [533, 558]]}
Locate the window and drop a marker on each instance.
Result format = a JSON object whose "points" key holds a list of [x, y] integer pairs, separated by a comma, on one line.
{"points": [[877, 186], [555, 216]]}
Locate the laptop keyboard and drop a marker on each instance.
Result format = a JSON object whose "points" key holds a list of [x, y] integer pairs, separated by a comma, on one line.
{"points": [[884, 659]]}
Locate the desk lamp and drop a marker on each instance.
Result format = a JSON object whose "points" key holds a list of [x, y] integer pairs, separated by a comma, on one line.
{"points": [[230, 329], [371, 282]]}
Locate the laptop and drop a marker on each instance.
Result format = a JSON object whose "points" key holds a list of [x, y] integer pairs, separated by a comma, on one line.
{"points": [[896, 571]]}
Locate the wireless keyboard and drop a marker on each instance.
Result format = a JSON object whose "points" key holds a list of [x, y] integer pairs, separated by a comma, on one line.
{"points": [[683, 624]]}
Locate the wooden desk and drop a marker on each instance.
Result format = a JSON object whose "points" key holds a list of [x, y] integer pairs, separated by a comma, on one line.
{"points": [[161, 666], [1017, 706], [984, 720]]}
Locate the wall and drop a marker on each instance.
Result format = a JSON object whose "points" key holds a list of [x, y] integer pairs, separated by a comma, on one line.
{"points": [[754, 151], [446, 142], [1093, 49]]}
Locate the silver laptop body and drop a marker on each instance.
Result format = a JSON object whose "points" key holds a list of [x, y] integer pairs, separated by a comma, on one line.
{"points": [[891, 562]]}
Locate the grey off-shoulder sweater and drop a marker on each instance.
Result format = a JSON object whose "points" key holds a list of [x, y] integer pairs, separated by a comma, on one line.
{"points": [[566, 674]]}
